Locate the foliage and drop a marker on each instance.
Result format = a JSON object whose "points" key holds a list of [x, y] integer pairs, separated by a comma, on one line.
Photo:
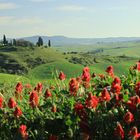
{"points": [[39, 42], [5, 42], [89, 107], [22, 43], [49, 43]]}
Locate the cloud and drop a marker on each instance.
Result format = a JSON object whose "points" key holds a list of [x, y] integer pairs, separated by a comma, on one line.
{"points": [[5, 19], [71, 8], [9, 20], [8, 6], [39, 0], [29, 21]]}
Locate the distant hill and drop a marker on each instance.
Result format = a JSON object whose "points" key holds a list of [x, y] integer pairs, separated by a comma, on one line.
{"points": [[62, 40]]}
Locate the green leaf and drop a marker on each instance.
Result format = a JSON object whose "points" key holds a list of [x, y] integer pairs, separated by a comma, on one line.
{"points": [[68, 122], [126, 97]]}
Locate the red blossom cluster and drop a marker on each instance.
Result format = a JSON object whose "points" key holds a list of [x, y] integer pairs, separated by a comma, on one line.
{"points": [[116, 86], [34, 99], [91, 101], [22, 131], [110, 100], [12, 103], [110, 71], [119, 132], [39, 88], [105, 95], [73, 86], [1, 102], [62, 76], [19, 87]]}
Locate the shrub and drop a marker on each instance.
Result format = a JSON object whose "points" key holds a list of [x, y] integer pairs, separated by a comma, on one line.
{"points": [[99, 107]]}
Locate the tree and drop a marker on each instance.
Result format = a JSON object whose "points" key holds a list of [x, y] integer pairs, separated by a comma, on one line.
{"points": [[14, 42], [40, 42], [49, 43], [4, 40], [24, 43]]}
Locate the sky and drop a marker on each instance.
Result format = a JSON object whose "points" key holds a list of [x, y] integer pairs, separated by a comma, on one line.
{"points": [[71, 18]]}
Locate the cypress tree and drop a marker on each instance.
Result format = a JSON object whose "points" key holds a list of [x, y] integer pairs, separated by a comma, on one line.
{"points": [[49, 43]]}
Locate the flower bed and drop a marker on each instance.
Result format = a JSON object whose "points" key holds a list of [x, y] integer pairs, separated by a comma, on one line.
{"points": [[89, 107]]}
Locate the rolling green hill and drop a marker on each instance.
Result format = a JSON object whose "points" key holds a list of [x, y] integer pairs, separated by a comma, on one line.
{"points": [[40, 64]]}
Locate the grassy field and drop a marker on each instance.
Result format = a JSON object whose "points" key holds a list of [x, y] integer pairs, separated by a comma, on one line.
{"points": [[10, 78], [43, 64]]}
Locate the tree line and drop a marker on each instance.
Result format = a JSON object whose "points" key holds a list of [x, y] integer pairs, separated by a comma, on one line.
{"points": [[24, 43]]}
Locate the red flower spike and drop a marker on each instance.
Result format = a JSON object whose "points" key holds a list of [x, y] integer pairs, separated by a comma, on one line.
{"points": [[48, 93], [39, 87], [22, 131], [116, 87], [73, 86], [62, 76], [34, 99], [128, 117], [119, 131], [12, 103], [53, 137], [79, 110], [19, 87], [91, 101], [28, 86], [105, 96], [134, 133], [86, 75], [138, 65], [1, 102], [17, 112], [110, 71]]}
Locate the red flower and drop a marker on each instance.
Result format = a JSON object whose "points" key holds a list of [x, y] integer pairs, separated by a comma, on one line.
{"points": [[34, 99], [62, 76], [86, 75], [73, 86], [132, 102], [79, 80], [134, 133], [12, 103], [105, 95], [22, 130], [39, 87], [86, 69], [17, 112], [79, 109], [116, 87], [28, 86], [110, 71], [137, 88], [128, 117], [1, 102], [116, 81], [138, 65], [53, 137], [19, 87], [119, 131], [91, 101], [48, 93]]}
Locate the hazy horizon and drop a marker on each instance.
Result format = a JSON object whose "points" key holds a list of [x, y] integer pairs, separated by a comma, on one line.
{"points": [[75, 19]]}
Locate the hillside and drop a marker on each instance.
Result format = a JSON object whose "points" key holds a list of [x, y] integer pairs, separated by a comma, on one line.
{"points": [[66, 41], [19, 60], [40, 63]]}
